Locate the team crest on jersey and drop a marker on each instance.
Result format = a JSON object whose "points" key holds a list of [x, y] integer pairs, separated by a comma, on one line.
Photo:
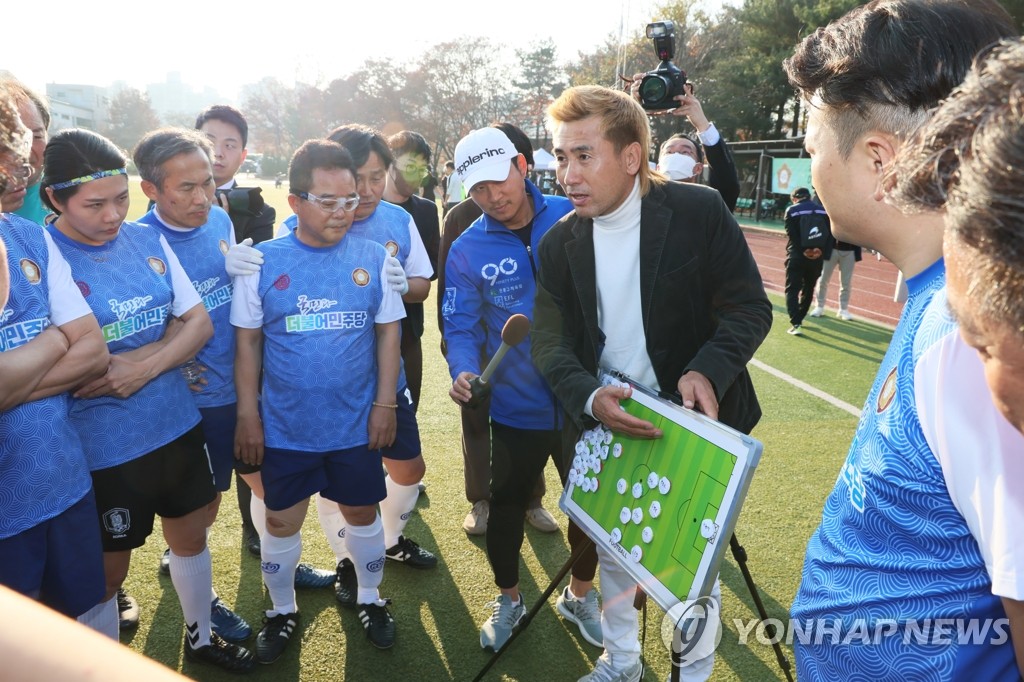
{"points": [[31, 271], [223, 246], [361, 277], [888, 392], [84, 288], [392, 248], [282, 282], [159, 267], [117, 521], [448, 305]]}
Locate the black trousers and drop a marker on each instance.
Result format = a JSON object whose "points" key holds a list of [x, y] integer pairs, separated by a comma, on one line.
{"points": [[518, 456], [801, 277]]}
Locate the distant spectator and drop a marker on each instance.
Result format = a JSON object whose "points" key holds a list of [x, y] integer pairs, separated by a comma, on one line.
{"points": [[845, 256], [808, 244]]}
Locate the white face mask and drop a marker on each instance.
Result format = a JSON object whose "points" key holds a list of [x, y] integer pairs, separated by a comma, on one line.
{"points": [[677, 166]]}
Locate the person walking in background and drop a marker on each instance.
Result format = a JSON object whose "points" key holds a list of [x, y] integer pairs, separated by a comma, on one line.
{"points": [[808, 243], [846, 257]]}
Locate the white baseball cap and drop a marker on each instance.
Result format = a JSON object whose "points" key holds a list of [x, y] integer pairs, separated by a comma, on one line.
{"points": [[484, 155]]}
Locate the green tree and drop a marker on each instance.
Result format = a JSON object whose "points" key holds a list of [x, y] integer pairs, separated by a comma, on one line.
{"points": [[130, 117], [540, 81]]}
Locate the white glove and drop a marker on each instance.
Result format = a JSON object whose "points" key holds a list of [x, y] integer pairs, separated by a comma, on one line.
{"points": [[242, 259], [396, 276]]}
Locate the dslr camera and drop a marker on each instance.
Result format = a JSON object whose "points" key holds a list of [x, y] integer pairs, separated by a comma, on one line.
{"points": [[246, 201], [658, 88]]}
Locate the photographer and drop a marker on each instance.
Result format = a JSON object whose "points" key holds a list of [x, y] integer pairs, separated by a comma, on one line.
{"points": [[712, 147], [228, 132]]}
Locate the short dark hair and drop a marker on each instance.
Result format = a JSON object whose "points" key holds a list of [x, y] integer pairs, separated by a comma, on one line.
{"points": [[360, 140], [885, 64], [313, 154], [226, 114], [409, 142], [74, 153], [449, 164], [967, 159], [683, 136], [162, 145], [800, 193], [519, 140]]}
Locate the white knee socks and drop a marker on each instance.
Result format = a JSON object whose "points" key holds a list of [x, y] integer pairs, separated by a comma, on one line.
{"points": [[192, 577], [366, 545], [103, 618], [280, 557], [333, 524], [396, 508]]}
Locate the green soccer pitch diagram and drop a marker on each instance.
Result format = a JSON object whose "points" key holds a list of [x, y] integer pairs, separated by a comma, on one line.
{"points": [[664, 508]]}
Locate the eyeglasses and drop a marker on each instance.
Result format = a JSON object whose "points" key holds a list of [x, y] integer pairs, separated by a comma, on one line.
{"points": [[330, 204], [412, 171]]}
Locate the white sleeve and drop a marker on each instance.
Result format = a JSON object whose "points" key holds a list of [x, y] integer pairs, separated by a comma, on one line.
{"points": [[185, 295], [391, 307], [66, 301], [246, 304], [418, 263], [710, 136], [981, 455]]}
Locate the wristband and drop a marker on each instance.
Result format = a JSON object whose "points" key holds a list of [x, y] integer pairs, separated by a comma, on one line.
{"points": [[389, 407]]}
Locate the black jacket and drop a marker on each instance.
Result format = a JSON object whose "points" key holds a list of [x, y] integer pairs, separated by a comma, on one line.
{"points": [[723, 176], [704, 305]]}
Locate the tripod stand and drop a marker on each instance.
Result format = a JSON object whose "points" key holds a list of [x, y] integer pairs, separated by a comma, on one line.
{"points": [[738, 553]]}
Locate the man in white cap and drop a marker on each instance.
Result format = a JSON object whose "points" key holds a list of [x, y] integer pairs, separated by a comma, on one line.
{"points": [[490, 275]]}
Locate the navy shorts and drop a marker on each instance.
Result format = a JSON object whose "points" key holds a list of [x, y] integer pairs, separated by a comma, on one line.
{"points": [[407, 437], [219, 429], [353, 477], [59, 561], [172, 481]]}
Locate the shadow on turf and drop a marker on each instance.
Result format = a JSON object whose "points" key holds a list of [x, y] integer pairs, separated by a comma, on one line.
{"points": [[741, 656]]}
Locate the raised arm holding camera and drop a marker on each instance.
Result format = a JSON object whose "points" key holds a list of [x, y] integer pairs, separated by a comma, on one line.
{"points": [[666, 91]]}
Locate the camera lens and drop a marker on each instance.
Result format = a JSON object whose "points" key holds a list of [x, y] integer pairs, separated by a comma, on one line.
{"points": [[653, 89]]}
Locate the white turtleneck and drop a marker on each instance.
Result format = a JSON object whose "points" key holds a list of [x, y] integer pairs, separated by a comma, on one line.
{"points": [[619, 313]]}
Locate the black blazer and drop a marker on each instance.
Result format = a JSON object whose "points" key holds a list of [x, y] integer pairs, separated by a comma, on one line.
{"points": [[723, 175], [704, 305]]}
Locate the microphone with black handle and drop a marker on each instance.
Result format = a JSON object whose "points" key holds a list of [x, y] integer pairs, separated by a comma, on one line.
{"points": [[515, 330]]}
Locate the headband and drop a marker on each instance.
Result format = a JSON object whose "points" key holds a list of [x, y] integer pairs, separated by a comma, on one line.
{"points": [[88, 178]]}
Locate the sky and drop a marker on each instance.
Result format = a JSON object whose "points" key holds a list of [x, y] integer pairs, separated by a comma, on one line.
{"points": [[140, 42]]}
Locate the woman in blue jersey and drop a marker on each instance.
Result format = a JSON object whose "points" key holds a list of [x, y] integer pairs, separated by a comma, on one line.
{"points": [[138, 423]]}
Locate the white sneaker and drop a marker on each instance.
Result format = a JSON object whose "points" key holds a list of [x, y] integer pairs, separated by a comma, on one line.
{"points": [[586, 613], [541, 519], [795, 330], [505, 616], [476, 519], [818, 311], [845, 315], [604, 672]]}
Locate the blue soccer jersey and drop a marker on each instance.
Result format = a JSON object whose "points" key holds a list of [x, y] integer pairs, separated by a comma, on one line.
{"points": [[133, 284], [201, 253], [317, 308], [895, 585], [43, 470]]}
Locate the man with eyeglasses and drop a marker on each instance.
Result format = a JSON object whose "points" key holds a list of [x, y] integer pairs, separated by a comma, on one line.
{"points": [[408, 271], [406, 174], [22, 195], [321, 322]]}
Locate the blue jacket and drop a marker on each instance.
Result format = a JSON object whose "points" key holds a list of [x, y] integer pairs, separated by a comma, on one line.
{"points": [[491, 275]]}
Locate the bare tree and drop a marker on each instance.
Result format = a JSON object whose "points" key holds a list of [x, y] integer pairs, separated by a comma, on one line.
{"points": [[131, 116]]}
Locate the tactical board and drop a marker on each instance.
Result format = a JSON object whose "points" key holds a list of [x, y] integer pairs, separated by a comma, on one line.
{"points": [[664, 508]]}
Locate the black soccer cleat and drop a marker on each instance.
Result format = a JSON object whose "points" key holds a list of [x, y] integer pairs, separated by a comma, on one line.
{"points": [[274, 637], [221, 653], [409, 553], [378, 623], [346, 585]]}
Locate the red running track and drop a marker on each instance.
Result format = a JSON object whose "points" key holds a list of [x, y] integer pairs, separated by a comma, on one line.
{"points": [[874, 280]]}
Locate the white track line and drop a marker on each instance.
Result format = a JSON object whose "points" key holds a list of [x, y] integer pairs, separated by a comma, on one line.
{"points": [[817, 393]]}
